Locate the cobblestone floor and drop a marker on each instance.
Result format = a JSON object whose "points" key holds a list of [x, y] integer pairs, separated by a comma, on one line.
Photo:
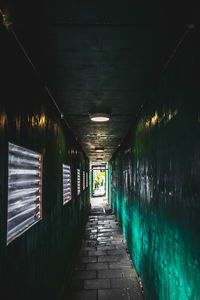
{"points": [[104, 270]]}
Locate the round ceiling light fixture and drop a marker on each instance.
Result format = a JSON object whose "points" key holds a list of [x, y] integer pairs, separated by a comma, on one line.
{"points": [[99, 150], [99, 117]]}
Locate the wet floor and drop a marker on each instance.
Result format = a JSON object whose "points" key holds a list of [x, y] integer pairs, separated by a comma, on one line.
{"points": [[104, 269]]}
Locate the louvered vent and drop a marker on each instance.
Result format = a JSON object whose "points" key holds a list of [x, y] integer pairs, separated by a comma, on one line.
{"points": [[78, 181], [83, 180], [24, 190], [67, 190]]}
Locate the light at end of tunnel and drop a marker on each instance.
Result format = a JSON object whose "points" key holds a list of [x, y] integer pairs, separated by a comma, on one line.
{"points": [[99, 117]]}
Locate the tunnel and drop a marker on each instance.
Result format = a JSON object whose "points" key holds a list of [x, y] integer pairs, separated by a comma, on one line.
{"points": [[99, 150]]}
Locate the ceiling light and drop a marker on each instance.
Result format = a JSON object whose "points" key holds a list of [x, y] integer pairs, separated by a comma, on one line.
{"points": [[99, 117], [99, 150]]}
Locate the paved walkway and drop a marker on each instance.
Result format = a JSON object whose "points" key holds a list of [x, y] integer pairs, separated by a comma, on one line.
{"points": [[104, 270], [98, 202]]}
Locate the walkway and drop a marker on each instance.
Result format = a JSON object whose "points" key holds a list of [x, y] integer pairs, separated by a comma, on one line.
{"points": [[104, 270], [98, 202]]}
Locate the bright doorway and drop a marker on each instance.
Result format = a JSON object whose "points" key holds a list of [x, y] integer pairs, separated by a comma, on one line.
{"points": [[99, 185]]}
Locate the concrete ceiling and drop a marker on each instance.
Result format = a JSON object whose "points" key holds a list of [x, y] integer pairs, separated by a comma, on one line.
{"points": [[98, 56]]}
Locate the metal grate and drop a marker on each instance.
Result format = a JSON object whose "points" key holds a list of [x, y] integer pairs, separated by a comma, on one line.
{"points": [[83, 180], [24, 190], [67, 190], [78, 181], [86, 179]]}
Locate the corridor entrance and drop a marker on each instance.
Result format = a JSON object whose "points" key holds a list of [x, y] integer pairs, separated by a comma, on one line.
{"points": [[98, 185], [99, 182]]}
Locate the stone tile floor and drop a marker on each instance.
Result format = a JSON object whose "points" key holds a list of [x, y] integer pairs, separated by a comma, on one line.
{"points": [[104, 269], [98, 201]]}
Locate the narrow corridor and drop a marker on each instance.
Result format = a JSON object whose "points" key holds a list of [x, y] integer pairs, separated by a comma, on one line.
{"points": [[99, 104], [104, 269]]}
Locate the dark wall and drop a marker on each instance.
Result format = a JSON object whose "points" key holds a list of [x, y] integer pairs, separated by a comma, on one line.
{"points": [[155, 179], [34, 265]]}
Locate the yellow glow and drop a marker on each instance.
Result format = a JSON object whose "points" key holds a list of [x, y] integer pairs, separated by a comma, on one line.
{"points": [[42, 120], [171, 115], [166, 117], [3, 120], [147, 124], [38, 120], [18, 123], [154, 119], [33, 121]]}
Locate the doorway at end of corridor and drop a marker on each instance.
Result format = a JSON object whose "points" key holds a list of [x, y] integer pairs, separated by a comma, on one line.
{"points": [[99, 185]]}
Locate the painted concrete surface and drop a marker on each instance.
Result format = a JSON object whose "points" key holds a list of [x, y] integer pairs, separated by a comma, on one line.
{"points": [[104, 269], [155, 189]]}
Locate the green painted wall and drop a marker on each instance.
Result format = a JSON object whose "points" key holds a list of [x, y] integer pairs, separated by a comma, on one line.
{"points": [[36, 264], [107, 181], [155, 179], [91, 183]]}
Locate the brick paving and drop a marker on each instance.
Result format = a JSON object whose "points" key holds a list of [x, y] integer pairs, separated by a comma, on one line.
{"points": [[104, 270]]}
